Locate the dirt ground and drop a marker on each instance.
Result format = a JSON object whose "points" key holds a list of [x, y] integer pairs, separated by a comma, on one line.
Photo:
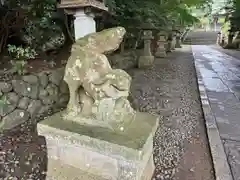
{"points": [[169, 89], [42, 62], [195, 163]]}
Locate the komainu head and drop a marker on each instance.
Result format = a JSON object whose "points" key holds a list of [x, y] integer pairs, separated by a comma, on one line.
{"points": [[104, 41]]}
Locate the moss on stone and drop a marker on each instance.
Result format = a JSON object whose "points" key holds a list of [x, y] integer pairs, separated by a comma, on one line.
{"points": [[133, 137]]}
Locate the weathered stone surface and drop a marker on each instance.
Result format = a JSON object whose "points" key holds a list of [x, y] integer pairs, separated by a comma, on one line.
{"points": [[35, 91], [98, 93], [63, 100], [34, 107], [25, 89], [45, 110], [56, 76], [43, 79], [13, 98], [6, 109], [43, 92], [125, 60], [5, 87], [145, 61], [47, 100], [232, 149], [169, 46], [31, 79], [8, 103], [178, 42], [53, 92], [44, 95], [133, 148], [24, 102], [161, 51], [64, 88], [63, 171], [14, 119], [220, 107], [173, 42]]}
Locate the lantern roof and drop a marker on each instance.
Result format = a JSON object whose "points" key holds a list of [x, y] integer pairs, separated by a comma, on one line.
{"points": [[75, 4]]}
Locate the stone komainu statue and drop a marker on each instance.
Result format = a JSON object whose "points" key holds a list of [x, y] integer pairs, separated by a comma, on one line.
{"points": [[98, 93]]}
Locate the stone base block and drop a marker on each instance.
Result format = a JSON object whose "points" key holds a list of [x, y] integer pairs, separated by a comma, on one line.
{"points": [[168, 50], [145, 61], [178, 46], [93, 153], [168, 47], [161, 54], [173, 45]]}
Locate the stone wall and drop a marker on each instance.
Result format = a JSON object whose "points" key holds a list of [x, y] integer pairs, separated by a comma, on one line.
{"points": [[32, 97], [35, 96], [125, 60]]}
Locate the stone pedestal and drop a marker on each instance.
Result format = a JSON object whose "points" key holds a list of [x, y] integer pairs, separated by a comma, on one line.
{"points": [[230, 38], [219, 38], [146, 59], [81, 152], [169, 46], [222, 40], [178, 40], [161, 51], [83, 24], [173, 42], [99, 136]]}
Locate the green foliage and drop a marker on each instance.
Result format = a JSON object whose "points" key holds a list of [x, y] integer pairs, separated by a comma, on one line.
{"points": [[20, 53], [46, 26], [163, 14], [19, 67], [4, 101], [20, 56], [44, 23], [235, 16], [41, 27], [134, 13], [225, 28]]}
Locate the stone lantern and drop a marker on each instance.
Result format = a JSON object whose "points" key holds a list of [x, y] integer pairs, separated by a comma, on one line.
{"points": [[178, 39], [219, 38], [146, 59], [223, 40], [161, 50], [169, 42], [84, 12], [174, 34], [230, 37]]}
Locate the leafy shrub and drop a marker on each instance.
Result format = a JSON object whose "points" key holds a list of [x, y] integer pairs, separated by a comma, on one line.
{"points": [[20, 56], [20, 53], [3, 101]]}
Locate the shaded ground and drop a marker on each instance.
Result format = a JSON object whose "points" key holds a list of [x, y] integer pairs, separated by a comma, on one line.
{"points": [[231, 52], [169, 88]]}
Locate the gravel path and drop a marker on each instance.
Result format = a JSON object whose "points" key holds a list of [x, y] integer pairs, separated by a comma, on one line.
{"points": [[169, 88]]}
